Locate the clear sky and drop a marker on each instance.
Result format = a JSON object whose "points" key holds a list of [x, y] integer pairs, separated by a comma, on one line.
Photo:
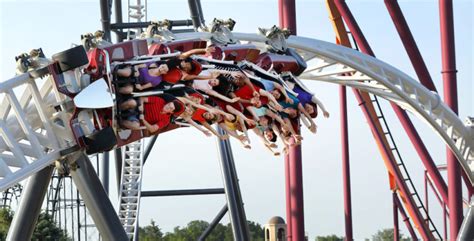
{"points": [[186, 159]]}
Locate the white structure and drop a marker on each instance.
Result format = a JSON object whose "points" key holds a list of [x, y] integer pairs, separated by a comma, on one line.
{"points": [[275, 230]]}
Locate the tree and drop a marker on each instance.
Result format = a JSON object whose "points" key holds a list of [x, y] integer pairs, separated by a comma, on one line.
{"points": [[150, 233], [387, 235], [256, 231], [47, 229], [6, 217], [332, 237]]}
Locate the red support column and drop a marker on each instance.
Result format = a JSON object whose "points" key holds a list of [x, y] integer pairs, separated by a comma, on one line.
{"points": [[401, 114], [345, 165], [288, 199], [451, 99], [294, 180], [281, 16], [406, 219], [409, 43], [395, 217], [287, 10], [296, 187]]}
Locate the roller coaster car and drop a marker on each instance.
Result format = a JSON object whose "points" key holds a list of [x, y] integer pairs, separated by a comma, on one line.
{"points": [[93, 119], [291, 61], [99, 58], [95, 125], [177, 45], [236, 53]]}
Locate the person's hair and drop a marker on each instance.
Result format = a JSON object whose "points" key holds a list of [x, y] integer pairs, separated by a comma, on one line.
{"points": [[173, 62], [177, 106], [224, 85], [274, 138], [315, 112], [190, 61], [282, 96], [269, 119]]}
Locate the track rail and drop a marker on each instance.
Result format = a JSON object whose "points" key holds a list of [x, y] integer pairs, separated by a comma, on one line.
{"points": [[327, 62], [32, 132]]}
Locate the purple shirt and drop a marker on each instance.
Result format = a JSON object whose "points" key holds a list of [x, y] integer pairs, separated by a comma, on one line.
{"points": [[303, 96], [145, 76]]}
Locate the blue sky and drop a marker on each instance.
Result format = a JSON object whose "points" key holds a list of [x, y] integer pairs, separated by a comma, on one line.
{"points": [[54, 25]]}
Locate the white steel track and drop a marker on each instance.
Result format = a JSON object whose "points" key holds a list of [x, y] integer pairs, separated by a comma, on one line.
{"points": [[327, 61], [32, 133]]}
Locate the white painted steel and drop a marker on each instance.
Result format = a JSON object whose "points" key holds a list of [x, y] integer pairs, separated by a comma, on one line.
{"points": [[327, 61], [130, 187], [32, 133]]}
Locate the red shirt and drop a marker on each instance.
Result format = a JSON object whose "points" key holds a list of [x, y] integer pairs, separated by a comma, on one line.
{"points": [[152, 112], [246, 93], [197, 68], [173, 76], [197, 115]]}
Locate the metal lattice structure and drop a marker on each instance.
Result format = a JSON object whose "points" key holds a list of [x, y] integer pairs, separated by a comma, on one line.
{"points": [[35, 133], [131, 186]]}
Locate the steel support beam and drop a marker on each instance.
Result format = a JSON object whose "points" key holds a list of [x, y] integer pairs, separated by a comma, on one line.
{"points": [[149, 147], [105, 18], [96, 200], [365, 48], [214, 223], [173, 23], [296, 187], [288, 198], [396, 234], [189, 192], [448, 56], [118, 168], [195, 15], [201, 13], [410, 44], [293, 161], [235, 204], [104, 171], [118, 17], [467, 229], [346, 173], [24, 221], [287, 15], [401, 114], [418, 219], [405, 219], [425, 78]]}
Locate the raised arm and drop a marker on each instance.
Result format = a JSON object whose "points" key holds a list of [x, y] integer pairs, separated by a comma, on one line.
{"points": [[222, 97], [213, 131], [271, 98], [315, 100], [195, 125], [188, 54], [307, 117]]}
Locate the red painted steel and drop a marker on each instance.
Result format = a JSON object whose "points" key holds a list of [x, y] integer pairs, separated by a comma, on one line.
{"points": [[406, 219], [364, 46], [410, 44], [413, 209], [287, 14], [450, 97], [296, 187], [287, 10], [422, 151], [396, 234], [288, 198], [345, 165], [424, 76]]}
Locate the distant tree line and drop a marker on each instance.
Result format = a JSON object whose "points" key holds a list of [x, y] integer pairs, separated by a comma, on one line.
{"points": [[381, 235], [194, 229], [46, 228]]}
